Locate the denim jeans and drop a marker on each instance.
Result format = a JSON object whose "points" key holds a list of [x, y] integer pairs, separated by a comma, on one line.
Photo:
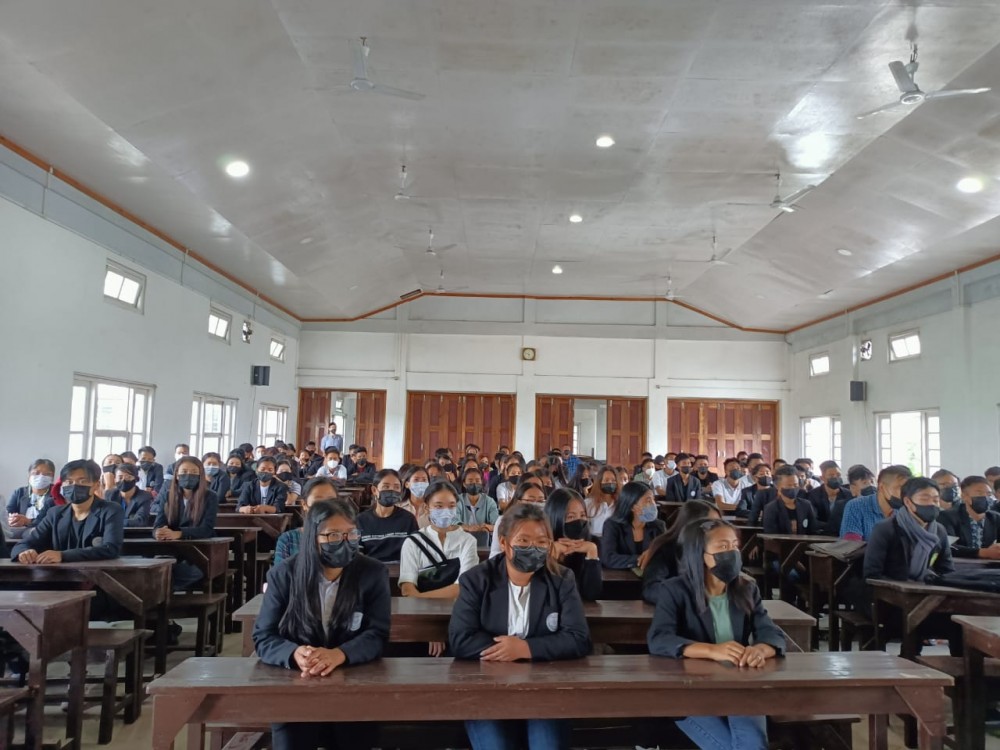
{"points": [[185, 575], [345, 735], [726, 732], [542, 734]]}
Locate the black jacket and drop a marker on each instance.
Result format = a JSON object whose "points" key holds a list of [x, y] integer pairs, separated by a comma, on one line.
{"points": [[886, 557], [776, 520], [662, 566], [276, 496], [362, 639], [956, 522], [137, 512], [154, 479], [203, 530], [679, 491], [236, 485], [589, 579], [362, 474], [101, 535], [829, 515], [557, 627], [19, 502], [618, 549], [680, 619]]}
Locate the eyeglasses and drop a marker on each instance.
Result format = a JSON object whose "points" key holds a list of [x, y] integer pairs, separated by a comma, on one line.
{"points": [[338, 536]]}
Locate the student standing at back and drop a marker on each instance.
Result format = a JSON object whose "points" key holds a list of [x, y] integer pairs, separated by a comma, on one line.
{"points": [[384, 527]]}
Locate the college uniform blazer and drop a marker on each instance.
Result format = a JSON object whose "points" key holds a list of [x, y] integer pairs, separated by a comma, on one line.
{"points": [[679, 491], [276, 496], [154, 478], [203, 530], [617, 547], [661, 567], [362, 639], [137, 512], [557, 627], [679, 621], [589, 579], [102, 533], [956, 523], [19, 502], [829, 516], [885, 556], [776, 519]]}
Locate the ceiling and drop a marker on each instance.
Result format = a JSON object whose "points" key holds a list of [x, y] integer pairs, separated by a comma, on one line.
{"points": [[145, 102]]}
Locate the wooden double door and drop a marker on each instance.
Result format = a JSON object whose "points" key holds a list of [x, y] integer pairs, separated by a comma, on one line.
{"points": [[720, 429], [453, 420], [315, 412], [626, 430]]}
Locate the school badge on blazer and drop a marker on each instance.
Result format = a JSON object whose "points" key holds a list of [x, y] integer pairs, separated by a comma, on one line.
{"points": [[552, 622]]}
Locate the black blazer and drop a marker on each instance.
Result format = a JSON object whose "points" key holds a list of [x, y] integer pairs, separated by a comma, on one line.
{"points": [[19, 502], [619, 550], [956, 522], [886, 557], [137, 512], [776, 519], [557, 627], [589, 579], [361, 474], [154, 479], [829, 515], [219, 484], [661, 567], [276, 496], [678, 490], [362, 639], [102, 533], [203, 530], [681, 619]]}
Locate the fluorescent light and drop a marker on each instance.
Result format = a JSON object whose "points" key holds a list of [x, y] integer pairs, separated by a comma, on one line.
{"points": [[845, 252], [969, 185], [237, 169], [305, 240], [605, 141], [575, 218], [557, 269]]}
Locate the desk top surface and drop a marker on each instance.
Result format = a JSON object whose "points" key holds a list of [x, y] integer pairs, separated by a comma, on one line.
{"points": [[37, 600], [797, 538], [988, 626], [927, 589], [118, 563]]}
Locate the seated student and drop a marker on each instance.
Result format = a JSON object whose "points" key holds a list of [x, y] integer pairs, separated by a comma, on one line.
{"points": [[415, 484], [529, 490], [384, 527], [450, 472], [25, 504], [704, 474], [264, 494], [285, 472], [109, 465], [519, 606], [573, 546], [331, 466], [757, 493], [238, 475], [477, 512], [180, 450], [647, 470], [829, 499], [581, 481], [948, 483], [150, 472], [602, 498], [316, 490], [727, 491], [710, 612], [791, 513], [136, 503], [665, 552], [214, 473], [629, 533], [684, 485], [187, 510], [86, 528], [662, 475], [870, 508], [973, 522], [324, 608], [992, 475], [360, 470]]}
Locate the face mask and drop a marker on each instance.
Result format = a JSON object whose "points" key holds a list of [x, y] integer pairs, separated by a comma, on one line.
{"points": [[980, 504], [110, 469], [764, 481], [417, 489], [703, 470], [835, 483], [361, 461], [40, 481], [512, 478], [264, 476], [75, 493], [126, 485], [337, 554], [790, 492], [388, 498], [949, 494], [577, 529], [258, 456], [145, 465], [234, 470], [285, 476], [648, 514], [212, 471], [649, 472], [671, 465], [869, 490], [473, 489], [735, 474], [442, 518], [927, 513], [727, 566], [188, 481], [585, 483], [333, 464], [609, 489], [529, 559], [684, 470], [179, 456], [895, 503]]}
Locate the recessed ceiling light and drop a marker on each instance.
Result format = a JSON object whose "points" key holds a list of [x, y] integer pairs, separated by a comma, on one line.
{"points": [[575, 218], [237, 169], [605, 141], [557, 269], [305, 240], [969, 185], [845, 252]]}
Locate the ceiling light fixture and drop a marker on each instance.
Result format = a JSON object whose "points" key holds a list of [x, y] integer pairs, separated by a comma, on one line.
{"points": [[305, 240], [605, 141], [969, 185], [845, 252], [557, 269], [575, 218], [237, 169]]}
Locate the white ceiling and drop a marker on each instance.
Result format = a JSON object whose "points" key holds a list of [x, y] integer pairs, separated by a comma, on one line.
{"points": [[144, 101]]}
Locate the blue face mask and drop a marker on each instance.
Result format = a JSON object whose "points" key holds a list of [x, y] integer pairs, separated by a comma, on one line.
{"points": [[443, 518], [648, 514]]}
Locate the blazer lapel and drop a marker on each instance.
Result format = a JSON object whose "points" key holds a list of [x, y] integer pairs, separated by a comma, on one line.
{"points": [[537, 600], [704, 615], [90, 524], [738, 618], [63, 528], [498, 599]]}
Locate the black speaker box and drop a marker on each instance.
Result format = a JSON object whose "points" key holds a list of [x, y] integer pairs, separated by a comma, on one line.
{"points": [[260, 375], [859, 390]]}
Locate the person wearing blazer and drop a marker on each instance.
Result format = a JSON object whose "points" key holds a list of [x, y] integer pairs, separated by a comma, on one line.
{"points": [[324, 608], [973, 522], [187, 510], [712, 612], [265, 494], [520, 605], [135, 502], [631, 529], [573, 546], [829, 499], [684, 485], [24, 508], [150, 472]]}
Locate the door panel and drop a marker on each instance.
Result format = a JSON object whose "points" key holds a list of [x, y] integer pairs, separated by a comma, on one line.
{"points": [[553, 423], [314, 415], [626, 430], [451, 420], [371, 424], [721, 429]]}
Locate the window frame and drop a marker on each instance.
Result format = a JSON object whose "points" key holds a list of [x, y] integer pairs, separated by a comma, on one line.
{"points": [[127, 274], [263, 437], [199, 435], [813, 358], [221, 314], [89, 434], [280, 342], [901, 336], [835, 438], [930, 456]]}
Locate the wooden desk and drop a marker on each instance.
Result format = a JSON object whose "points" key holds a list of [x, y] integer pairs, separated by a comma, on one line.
{"points": [[244, 563], [827, 576], [210, 556], [271, 525], [788, 550], [48, 624], [668, 510], [981, 637], [244, 691]]}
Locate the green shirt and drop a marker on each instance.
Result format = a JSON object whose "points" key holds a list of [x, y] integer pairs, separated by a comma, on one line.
{"points": [[720, 617]]}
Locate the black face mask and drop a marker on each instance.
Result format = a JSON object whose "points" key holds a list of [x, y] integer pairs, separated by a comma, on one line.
{"points": [[703, 470], [981, 504], [126, 485], [735, 474], [188, 481], [75, 493], [264, 476], [285, 476], [868, 491], [234, 470], [473, 489], [949, 494], [388, 498], [338, 554], [685, 470], [609, 489], [529, 559], [895, 503], [577, 529], [790, 492], [361, 461], [927, 513], [111, 468], [764, 481], [834, 483], [727, 566], [585, 482], [145, 465]]}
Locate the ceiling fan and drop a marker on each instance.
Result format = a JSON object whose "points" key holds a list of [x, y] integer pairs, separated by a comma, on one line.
{"points": [[670, 295], [430, 250], [788, 204], [402, 196], [364, 84], [441, 288], [909, 92]]}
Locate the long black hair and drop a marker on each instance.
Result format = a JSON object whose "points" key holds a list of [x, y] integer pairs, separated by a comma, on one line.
{"points": [[576, 482], [692, 564], [628, 497], [303, 620], [555, 509], [196, 505], [692, 510]]}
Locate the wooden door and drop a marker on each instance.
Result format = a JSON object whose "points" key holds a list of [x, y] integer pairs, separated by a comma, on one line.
{"points": [[626, 430], [488, 421], [314, 415], [553, 423], [452, 420], [721, 429], [370, 424]]}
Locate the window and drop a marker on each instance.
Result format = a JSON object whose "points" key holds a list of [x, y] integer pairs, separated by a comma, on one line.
{"points": [[108, 417], [219, 324], [576, 438], [213, 424], [271, 424], [904, 346], [821, 438], [278, 350], [910, 438], [124, 287], [819, 364]]}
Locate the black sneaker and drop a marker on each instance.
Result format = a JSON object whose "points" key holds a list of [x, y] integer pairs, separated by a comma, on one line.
{"points": [[174, 634]]}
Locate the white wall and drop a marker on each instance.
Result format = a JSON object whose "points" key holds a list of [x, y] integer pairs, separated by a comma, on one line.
{"points": [[57, 323]]}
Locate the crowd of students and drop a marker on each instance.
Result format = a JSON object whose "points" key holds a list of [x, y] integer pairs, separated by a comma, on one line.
{"points": [[552, 526]]}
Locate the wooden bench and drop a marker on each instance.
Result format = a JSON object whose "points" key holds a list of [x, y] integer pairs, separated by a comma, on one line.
{"points": [[115, 645], [10, 700], [954, 667], [209, 609]]}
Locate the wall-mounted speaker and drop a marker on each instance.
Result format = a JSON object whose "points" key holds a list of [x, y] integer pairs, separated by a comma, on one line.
{"points": [[260, 375], [859, 390]]}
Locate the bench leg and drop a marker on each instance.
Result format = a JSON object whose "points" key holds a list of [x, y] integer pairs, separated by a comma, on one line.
{"points": [[878, 732], [133, 682], [109, 695], [202, 634]]}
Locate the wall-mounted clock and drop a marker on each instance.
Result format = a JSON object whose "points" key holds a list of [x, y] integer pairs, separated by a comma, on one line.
{"points": [[528, 354]]}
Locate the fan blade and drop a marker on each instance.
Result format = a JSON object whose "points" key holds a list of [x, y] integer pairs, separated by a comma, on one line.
{"points": [[880, 110], [445, 248], [360, 63], [903, 79], [717, 262], [790, 200], [378, 88], [947, 93]]}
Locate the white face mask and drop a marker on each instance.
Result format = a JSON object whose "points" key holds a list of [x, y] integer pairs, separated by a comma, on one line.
{"points": [[671, 465], [332, 463], [649, 472], [40, 481], [179, 456]]}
